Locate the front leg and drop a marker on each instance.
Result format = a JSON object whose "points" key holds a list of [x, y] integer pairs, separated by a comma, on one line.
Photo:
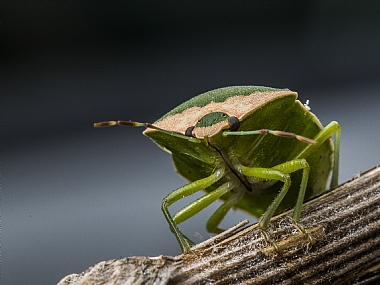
{"points": [[180, 193]]}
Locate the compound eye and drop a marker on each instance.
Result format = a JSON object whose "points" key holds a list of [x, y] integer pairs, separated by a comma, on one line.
{"points": [[189, 131], [234, 123]]}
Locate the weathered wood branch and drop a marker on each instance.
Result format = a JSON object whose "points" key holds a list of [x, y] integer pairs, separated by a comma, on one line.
{"points": [[345, 223]]}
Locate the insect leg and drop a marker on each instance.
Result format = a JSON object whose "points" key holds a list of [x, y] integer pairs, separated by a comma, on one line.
{"points": [[289, 167], [272, 174], [180, 193], [214, 221], [281, 173], [333, 128], [201, 203]]}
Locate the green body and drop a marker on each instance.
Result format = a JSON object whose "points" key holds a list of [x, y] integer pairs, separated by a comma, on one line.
{"points": [[261, 174], [256, 148], [196, 161]]}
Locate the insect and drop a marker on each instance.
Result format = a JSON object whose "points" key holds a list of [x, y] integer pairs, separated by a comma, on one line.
{"points": [[256, 148]]}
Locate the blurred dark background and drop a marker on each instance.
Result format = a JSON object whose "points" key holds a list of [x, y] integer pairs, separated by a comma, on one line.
{"points": [[73, 195]]}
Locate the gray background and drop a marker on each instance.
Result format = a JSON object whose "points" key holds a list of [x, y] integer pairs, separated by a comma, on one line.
{"points": [[73, 195]]}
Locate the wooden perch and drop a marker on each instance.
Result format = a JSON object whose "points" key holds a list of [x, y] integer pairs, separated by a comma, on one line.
{"points": [[345, 223]]}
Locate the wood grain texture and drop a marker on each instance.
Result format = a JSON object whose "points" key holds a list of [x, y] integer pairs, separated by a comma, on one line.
{"points": [[345, 223]]}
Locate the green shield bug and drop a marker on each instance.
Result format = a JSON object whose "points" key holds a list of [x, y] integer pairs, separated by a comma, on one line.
{"points": [[256, 148]]}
